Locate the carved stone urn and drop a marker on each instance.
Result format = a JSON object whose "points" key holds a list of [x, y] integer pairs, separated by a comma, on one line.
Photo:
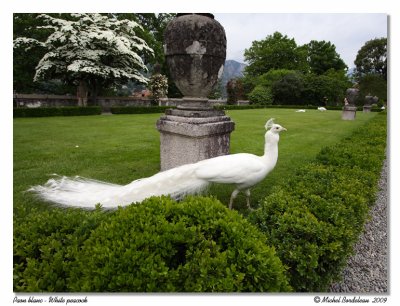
{"points": [[352, 95], [368, 101], [349, 111], [195, 51]]}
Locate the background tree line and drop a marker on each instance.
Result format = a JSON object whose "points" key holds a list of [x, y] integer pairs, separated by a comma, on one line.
{"points": [[281, 72]]}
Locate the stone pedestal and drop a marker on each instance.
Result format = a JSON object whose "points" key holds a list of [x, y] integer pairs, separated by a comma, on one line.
{"points": [[193, 132], [367, 108], [349, 112]]}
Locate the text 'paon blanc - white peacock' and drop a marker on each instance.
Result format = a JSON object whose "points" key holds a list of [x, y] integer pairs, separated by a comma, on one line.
{"points": [[243, 170]]}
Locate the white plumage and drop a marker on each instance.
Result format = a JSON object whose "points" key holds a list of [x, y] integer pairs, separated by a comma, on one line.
{"points": [[301, 111], [244, 170], [321, 109]]}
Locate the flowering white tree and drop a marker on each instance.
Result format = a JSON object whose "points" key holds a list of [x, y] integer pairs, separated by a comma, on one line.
{"points": [[92, 50]]}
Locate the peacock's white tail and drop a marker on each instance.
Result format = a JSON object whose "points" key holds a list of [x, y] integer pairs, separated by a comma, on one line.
{"points": [[86, 193]]}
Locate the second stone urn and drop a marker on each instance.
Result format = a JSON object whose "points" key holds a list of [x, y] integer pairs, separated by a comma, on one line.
{"points": [[368, 102]]}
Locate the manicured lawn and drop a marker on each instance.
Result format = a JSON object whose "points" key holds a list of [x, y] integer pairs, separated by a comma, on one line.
{"points": [[121, 148]]}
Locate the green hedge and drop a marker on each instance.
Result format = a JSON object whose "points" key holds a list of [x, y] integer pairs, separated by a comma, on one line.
{"points": [[255, 106], [57, 111], [238, 107], [314, 219], [197, 245], [45, 245], [96, 110], [139, 110]]}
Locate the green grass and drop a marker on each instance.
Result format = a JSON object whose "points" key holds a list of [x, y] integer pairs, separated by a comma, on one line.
{"points": [[122, 148]]}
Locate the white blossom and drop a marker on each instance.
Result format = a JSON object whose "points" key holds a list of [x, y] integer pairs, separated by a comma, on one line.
{"points": [[92, 45], [26, 42]]}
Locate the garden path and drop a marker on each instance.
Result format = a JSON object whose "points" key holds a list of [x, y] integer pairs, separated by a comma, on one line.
{"points": [[367, 269]]}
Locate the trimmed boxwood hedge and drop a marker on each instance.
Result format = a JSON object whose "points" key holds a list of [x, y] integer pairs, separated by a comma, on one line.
{"points": [[57, 111], [256, 106], [238, 107], [96, 110], [139, 110], [197, 245], [314, 219], [45, 245], [194, 246]]}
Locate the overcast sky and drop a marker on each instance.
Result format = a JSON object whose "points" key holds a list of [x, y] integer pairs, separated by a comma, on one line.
{"points": [[348, 32]]}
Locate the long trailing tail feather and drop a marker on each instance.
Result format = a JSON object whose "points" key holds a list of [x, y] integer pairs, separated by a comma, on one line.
{"points": [[86, 193]]}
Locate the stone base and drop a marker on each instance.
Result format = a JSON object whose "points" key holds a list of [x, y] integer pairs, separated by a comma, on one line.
{"points": [[188, 135], [367, 108], [349, 112]]}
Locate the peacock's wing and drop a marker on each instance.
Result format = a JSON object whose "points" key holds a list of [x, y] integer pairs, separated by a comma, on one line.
{"points": [[230, 169]]}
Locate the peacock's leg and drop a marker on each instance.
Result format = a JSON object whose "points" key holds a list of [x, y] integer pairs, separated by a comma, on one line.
{"points": [[233, 196], [248, 198]]}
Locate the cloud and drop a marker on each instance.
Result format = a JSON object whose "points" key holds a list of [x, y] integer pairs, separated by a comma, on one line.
{"points": [[348, 32]]}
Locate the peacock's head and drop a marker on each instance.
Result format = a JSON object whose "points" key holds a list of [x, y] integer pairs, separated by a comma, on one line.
{"points": [[273, 127]]}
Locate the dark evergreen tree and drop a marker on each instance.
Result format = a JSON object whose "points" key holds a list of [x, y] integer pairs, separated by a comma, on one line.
{"points": [[276, 51], [372, 58], [322, 56]]}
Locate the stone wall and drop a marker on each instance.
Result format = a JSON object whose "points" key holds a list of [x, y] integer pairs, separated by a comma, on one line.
{"points": [[107, 102], [34, 100]]}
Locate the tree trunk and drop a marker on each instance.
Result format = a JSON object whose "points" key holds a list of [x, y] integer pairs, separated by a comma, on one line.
{"points": [[82, 93], [95, 91]]}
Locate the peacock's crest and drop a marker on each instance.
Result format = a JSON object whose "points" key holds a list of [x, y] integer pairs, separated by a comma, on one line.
{"points": [[269, 123]]}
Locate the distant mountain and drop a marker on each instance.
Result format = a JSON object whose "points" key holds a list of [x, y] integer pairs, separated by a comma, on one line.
{"points": [[351, 71], [232, 69]]}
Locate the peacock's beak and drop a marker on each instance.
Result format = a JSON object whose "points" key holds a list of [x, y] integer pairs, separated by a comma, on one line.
{"points": [[283, 129]]}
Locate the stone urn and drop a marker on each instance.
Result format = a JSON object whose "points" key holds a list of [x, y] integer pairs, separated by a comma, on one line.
{"points": [[368, 101], [352, 95], [195, 51], [349, 110]]}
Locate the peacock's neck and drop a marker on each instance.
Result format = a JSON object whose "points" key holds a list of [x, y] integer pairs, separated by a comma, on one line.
{"points": [[271, 148]]}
